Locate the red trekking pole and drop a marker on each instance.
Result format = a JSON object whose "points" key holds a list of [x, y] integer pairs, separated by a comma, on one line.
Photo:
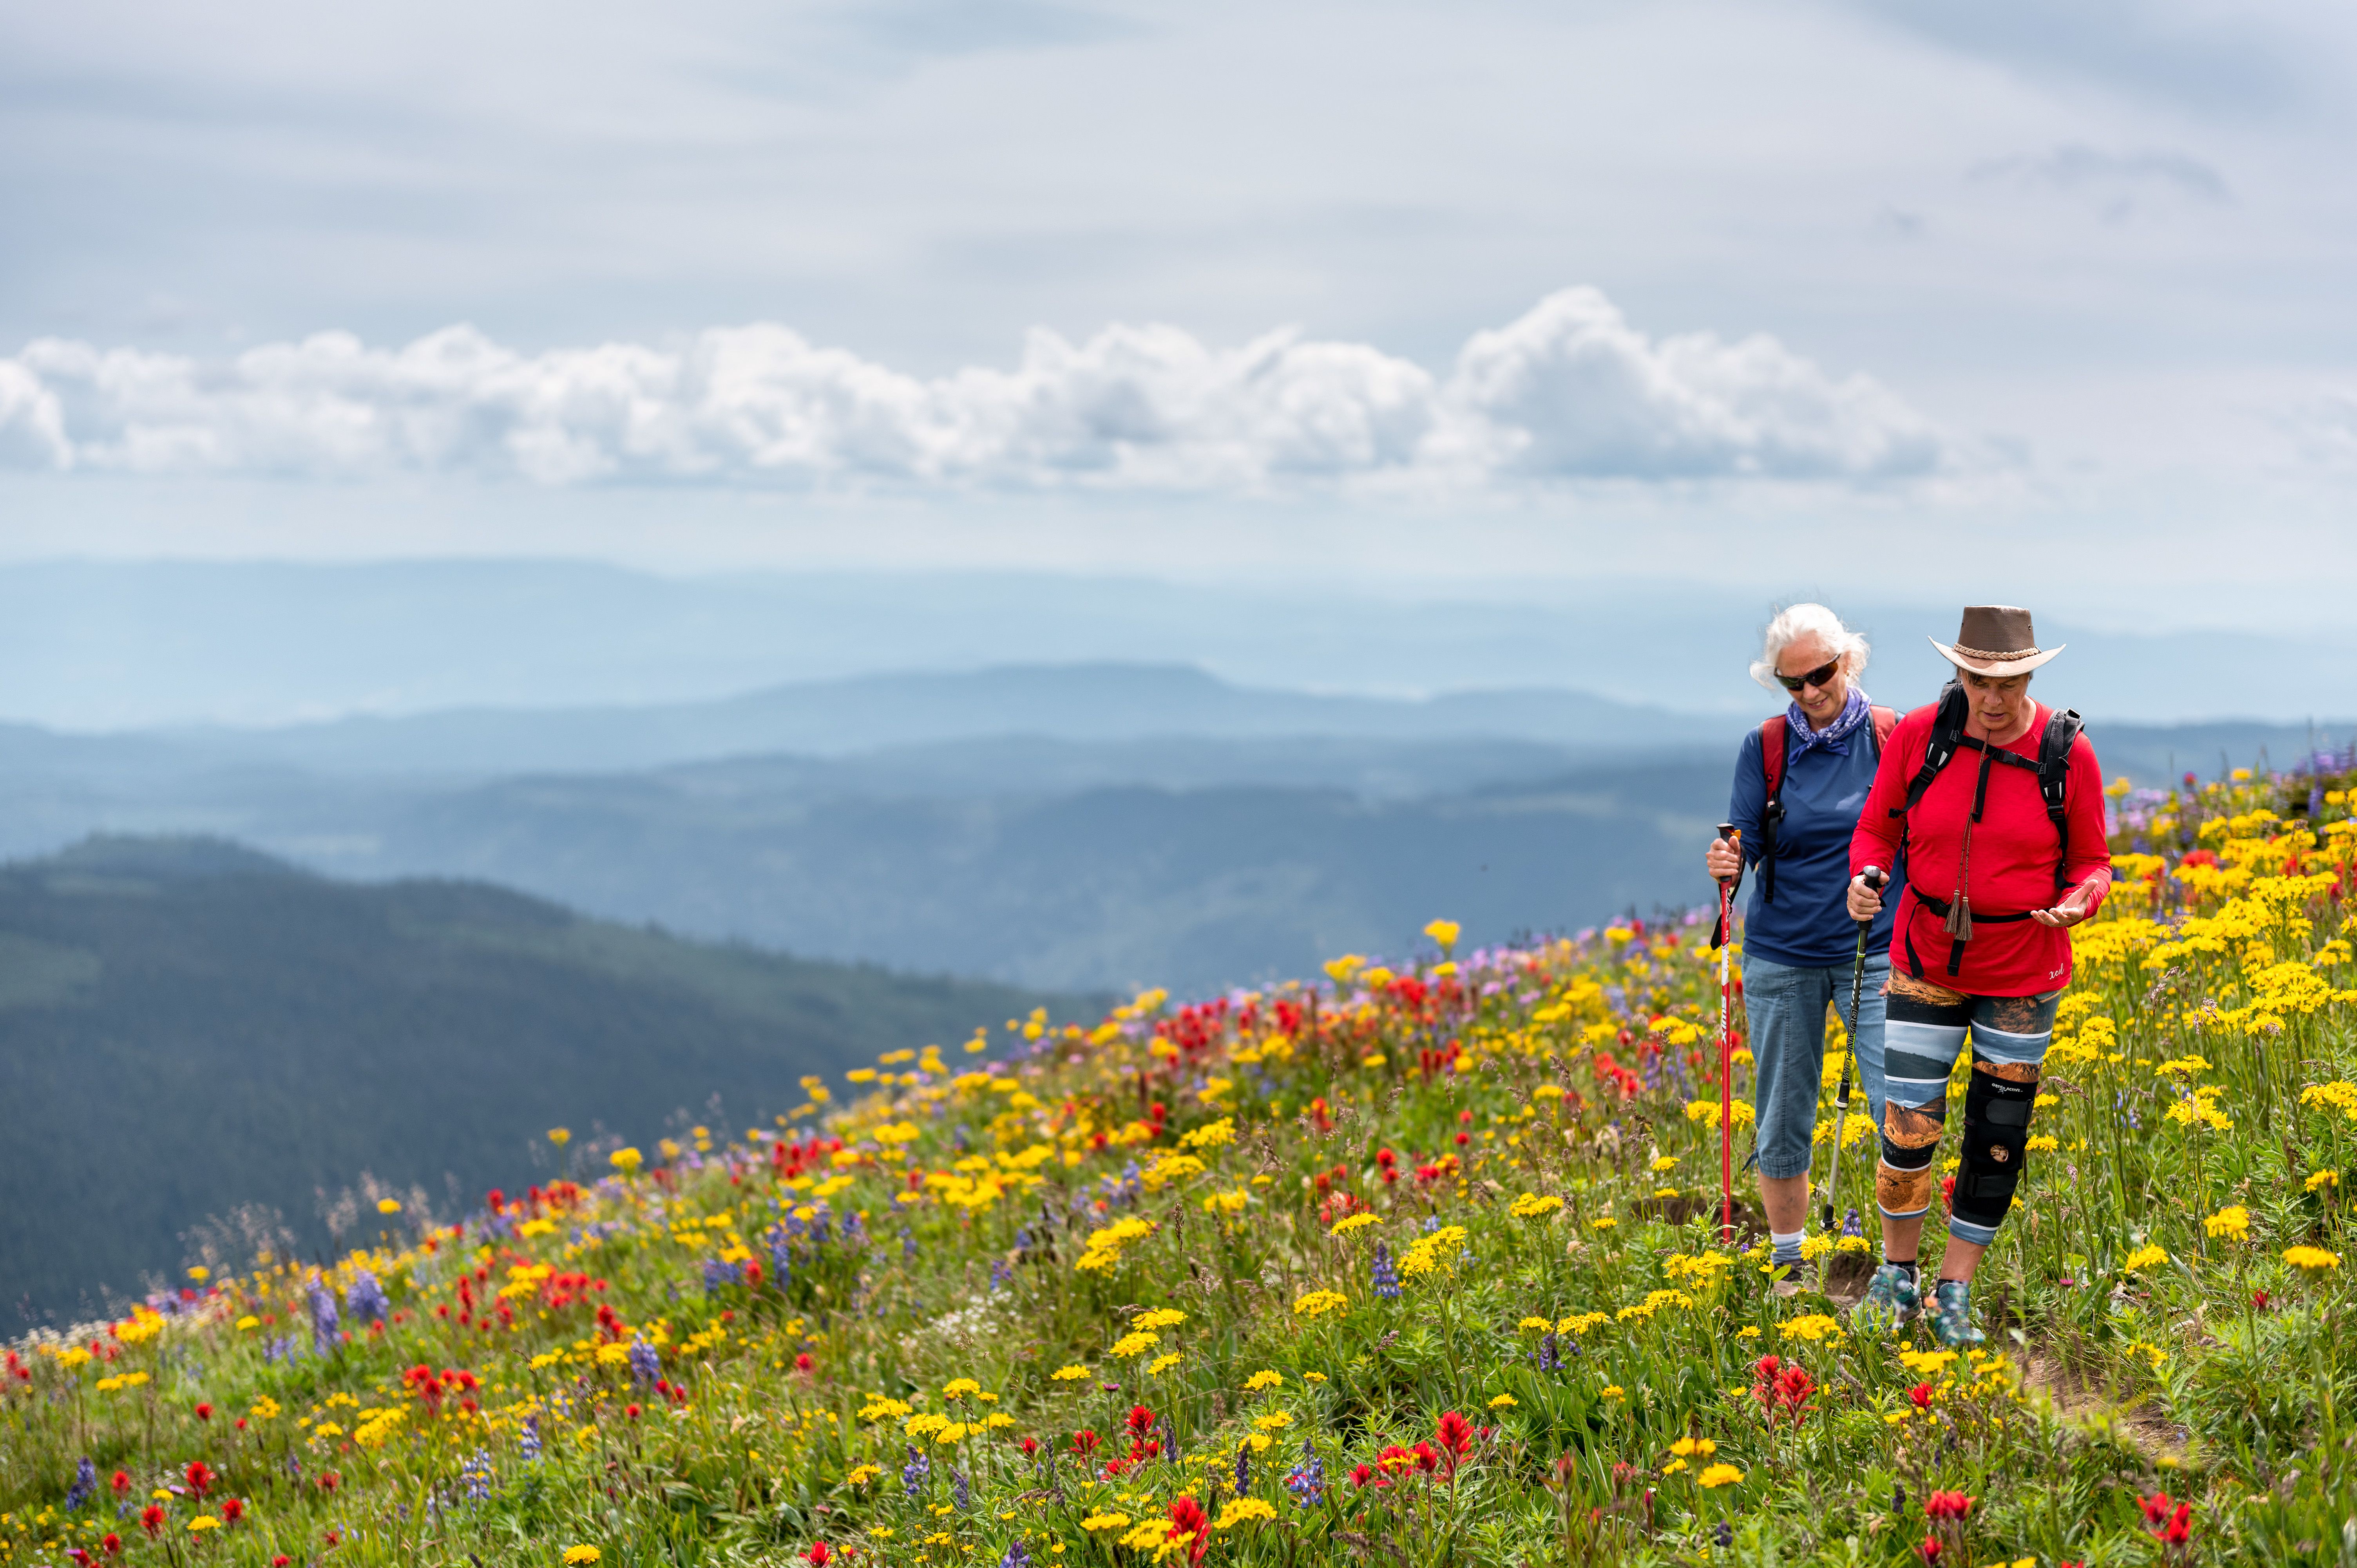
{"points": [[1728, 832]]}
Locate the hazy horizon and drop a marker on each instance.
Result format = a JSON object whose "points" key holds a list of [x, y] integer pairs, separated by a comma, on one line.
{"points": [[94, 646]]}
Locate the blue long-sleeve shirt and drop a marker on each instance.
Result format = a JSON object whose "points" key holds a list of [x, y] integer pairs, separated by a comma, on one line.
{"points": [[1808, 925]]}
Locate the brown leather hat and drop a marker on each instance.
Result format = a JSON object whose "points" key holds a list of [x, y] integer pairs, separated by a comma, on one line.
{"points": [[1997, 641]]}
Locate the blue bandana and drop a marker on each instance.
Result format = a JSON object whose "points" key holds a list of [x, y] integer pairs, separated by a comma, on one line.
{"points": [[1835, 736]]}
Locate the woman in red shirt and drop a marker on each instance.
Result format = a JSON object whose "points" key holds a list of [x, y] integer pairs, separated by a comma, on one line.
{"points": [[1979, 949]]}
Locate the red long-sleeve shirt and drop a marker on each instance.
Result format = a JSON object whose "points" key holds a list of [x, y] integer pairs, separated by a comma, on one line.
{"points": [[2013, 855]]}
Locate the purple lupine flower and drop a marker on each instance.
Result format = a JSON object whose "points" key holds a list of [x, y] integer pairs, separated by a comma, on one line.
{"points": [[913, 1474], [324, 1318], [1306, 1480], [476, 1475], [1549, 1359], [1387, 1283], [1244, 1469], [717, 1273], [85, 1482], [365, 1298], [646, 1362], [530, 1443], [959, 1489], [1017, 1556], [999, 1273]]}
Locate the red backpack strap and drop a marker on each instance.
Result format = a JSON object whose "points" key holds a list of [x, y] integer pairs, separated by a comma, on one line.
{"points": [[1775, 735], [1885, 721]]}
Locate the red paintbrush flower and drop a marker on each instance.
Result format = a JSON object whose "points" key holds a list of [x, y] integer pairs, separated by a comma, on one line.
{"points": [[1188, 1526]]}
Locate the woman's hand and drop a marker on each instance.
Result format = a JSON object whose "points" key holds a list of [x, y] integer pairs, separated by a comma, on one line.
{"points": [[2074, 909], [1865, 903], [1723, 860]]}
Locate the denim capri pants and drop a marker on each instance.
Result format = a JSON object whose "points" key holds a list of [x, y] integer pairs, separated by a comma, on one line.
{"points": [[1786, 1007]]}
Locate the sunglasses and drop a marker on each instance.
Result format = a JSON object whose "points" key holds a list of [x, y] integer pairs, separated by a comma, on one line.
{"points": [[1818, 677]]}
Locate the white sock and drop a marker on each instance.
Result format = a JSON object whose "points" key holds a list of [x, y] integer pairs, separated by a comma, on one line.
{"points": [[1786, 1247]]}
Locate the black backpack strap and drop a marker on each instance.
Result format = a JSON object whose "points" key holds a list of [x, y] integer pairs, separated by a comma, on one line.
{"points": [[1947, 735], [2055, 747], [1775, 741]]}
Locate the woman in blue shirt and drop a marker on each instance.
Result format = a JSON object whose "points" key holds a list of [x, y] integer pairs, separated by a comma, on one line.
{"points": [[1799, 942]]}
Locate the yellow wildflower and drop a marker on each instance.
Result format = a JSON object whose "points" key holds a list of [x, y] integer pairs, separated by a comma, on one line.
{"points": [[1242, 1510]]}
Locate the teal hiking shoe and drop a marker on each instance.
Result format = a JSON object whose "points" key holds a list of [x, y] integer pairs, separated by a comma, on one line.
{"points": [[1952, 1316], [1893, 1299]]}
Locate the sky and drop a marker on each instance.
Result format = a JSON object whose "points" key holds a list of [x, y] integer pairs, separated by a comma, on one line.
{"points": [[1887, 293]]}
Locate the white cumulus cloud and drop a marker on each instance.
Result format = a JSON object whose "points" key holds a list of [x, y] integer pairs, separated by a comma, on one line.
{"points": [[1568, 392]]}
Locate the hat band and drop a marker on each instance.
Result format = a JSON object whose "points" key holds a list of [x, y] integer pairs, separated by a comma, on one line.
{"points": [[2007, 656]]}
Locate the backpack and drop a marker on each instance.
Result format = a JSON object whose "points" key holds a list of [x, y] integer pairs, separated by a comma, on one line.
{"points": [[2052, 767], [2053, 770], [1775, 738]]}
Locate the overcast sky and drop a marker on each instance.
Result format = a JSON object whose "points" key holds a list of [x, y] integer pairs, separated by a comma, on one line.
{"points": [[1488, 291]]}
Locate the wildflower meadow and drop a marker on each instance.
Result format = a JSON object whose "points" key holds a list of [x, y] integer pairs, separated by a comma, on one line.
{"points": [[1416, 1262]]}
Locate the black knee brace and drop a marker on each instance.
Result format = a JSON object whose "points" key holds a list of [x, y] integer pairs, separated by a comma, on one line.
{"points": [[1996, 1141]]}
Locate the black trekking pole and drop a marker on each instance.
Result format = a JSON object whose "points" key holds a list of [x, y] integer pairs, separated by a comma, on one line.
{"points": [[1872, 877]]}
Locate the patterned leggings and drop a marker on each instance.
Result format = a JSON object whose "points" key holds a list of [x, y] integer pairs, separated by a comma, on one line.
{"points": [[1924, 1030]]}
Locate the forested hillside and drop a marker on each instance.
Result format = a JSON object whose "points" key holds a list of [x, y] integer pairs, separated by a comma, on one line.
{"points": [[188, 1029]]}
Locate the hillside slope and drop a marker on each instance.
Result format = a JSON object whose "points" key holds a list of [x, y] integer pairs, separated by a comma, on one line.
{"points": [[1422, 1266], [187, 1027]]}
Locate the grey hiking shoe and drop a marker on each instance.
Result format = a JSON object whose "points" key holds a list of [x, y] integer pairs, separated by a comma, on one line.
{"points": [[1893, 1299], [1952, 1316]]}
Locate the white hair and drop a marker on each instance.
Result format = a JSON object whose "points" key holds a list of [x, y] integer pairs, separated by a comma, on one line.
{"points": [[1794, 622]]}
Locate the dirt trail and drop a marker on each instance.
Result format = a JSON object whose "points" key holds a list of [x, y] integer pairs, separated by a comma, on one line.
{"points": [[2082, 1402]]}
